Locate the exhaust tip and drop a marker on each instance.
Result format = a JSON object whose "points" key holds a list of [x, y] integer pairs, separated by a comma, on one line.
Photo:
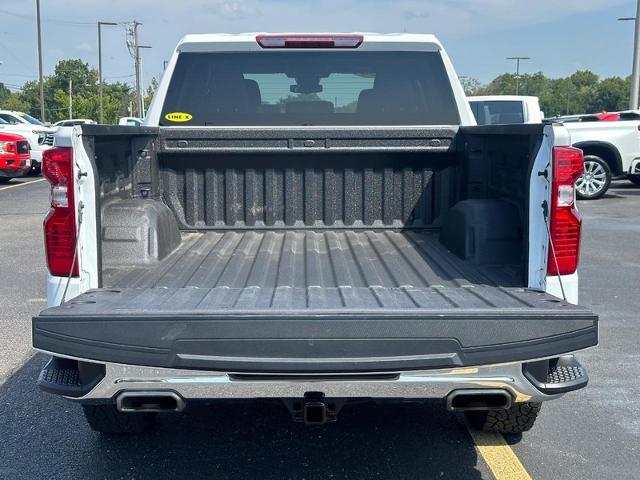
{"points": [[149, 402], [485, 399]]}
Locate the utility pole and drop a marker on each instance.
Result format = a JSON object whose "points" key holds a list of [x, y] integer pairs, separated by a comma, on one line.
{"points": [[134, 49], [137, 64], [139, 77], [100, 80], [517, 59], [70, 99], [40, 76], [635, 75]]}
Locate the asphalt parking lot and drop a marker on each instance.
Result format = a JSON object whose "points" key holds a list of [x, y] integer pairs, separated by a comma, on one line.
{"points": [[592, 434]]}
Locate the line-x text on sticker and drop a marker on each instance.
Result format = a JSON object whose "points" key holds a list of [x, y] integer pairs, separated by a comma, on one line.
{"points": [[178, 117]]}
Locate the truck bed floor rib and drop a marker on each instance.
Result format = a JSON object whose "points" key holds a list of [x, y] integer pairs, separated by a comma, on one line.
{"points": [[305, 269]]}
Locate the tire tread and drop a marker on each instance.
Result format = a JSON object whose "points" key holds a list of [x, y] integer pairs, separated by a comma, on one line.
{"points": [[520, 417]]}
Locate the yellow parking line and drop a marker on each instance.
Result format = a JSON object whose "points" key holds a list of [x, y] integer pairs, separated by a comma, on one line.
{"points": [[22, 184], [498, 455]]}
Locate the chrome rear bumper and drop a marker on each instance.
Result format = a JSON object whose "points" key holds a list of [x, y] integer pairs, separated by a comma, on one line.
{"points": [[191, 384]]}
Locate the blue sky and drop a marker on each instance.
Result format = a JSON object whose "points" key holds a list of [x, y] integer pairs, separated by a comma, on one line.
{"points": [[559, 36]]}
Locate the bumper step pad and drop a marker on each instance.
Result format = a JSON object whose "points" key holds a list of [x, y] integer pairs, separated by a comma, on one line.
{"points": [[70, 378], [563, 374]]}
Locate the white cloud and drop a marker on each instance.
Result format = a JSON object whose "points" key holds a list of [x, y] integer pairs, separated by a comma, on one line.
{"points": [[468, 17], [233, 10], [84, 47]]}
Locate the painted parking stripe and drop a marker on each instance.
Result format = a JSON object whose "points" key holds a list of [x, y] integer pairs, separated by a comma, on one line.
{"points": [[498, 455], [23, 184]]}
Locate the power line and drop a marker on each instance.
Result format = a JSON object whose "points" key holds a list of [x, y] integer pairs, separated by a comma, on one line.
{"points": [[121, 76], [34, 75], [50, 20]]}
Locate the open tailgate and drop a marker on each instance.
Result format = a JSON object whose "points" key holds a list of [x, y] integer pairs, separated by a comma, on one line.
{"points": [[290, 329]]}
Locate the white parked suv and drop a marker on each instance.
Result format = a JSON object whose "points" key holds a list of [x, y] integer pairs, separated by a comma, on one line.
{"points": [[40, 136]]}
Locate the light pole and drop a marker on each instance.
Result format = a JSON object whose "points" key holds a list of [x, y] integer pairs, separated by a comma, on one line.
{"points": [[635, 75], [517, 59], [101, 114], [40, 79], [139, 79]]}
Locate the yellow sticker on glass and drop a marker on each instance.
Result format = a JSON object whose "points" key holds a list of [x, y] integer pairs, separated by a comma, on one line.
{"points": [[178, 117]]}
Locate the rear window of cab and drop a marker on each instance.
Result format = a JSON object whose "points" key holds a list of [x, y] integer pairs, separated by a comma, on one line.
{"points": [[309, 88]]}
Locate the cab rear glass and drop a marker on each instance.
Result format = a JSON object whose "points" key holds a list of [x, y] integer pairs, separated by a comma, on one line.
{"points": [[497, 112], [309, 88]]}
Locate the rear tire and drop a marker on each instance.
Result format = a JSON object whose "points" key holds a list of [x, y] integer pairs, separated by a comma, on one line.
{"points": [[4, 179], [595, 180], [107, 419], [517, 419]]}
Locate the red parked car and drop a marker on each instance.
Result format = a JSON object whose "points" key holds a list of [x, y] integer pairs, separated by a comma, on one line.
{"points": [[15, 156]]}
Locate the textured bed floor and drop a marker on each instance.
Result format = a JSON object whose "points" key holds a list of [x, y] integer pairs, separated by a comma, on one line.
{"points": [[312, 269]]}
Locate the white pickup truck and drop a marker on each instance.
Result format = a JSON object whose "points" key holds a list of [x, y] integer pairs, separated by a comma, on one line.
{"points": [[611, 149], [313, 218], [505, 109]]}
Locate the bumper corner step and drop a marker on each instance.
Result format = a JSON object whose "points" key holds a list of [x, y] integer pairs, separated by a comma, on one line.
{"points": [[563, 374], [70, 378]]}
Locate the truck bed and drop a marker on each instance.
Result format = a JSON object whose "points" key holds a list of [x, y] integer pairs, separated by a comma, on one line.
{"points": [[321, 270]]}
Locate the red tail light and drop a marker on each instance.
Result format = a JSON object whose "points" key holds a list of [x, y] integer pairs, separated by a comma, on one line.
{"points": [[309, 41], [60, 222], [566, 223]]}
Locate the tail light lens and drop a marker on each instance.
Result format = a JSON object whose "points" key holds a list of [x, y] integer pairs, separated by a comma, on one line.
{"points": [[309, 41], [60, 223], [566, 223]]}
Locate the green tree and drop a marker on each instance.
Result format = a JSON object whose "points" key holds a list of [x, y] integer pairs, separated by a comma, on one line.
{"points": [[4, 92], [151, 90], [471, 86], [11, 100], [610, 94]]}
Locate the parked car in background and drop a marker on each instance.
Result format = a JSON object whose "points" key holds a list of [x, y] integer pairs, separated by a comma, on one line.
{"points": [[252, 240], [130, 121], [39, 136], [505, 109], [12, 116], [611, 149], [73, 122], [15, 156], [598, 117]]}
